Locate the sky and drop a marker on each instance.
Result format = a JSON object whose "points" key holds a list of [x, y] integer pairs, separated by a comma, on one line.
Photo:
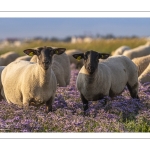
{"points": [[64, 27]]}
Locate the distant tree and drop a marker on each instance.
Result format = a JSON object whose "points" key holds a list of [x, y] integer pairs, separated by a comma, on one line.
{"points": [[67, 39], [38, 38], [54, 39], [109, 36], [134, 36]]}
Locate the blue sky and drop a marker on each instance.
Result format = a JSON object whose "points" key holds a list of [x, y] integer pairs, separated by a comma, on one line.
{"points": [[63, 27]]}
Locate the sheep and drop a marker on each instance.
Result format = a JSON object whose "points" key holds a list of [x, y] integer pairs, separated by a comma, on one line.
{"points": [[26, 83], [78, 64], [26, 58], [107, 78], [61, 68], [139, 51], [145, 76], [7, 58], [121, 50], [141, 63], [1, 69]]}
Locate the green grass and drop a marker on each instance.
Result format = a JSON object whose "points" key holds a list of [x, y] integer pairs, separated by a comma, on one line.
{"points": [[138, 126], [102, 45]]}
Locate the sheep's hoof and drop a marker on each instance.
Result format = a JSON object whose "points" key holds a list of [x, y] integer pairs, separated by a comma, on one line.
{"points": [[85, 114], [104, 102], [48, 109]]}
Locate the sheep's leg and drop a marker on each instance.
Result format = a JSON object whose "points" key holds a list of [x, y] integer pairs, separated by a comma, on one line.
{"points": [[25, 104], [85, 102], [61, 82], [133, 90], [49, 104]]}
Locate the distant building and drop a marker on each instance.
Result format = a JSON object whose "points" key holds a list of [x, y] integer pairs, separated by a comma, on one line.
{"points": [[10, 42], [81, 39]]}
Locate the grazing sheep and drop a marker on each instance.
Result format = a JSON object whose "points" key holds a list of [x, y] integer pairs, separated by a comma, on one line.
{"points": [[107, 78], [77, 63], [145, 76], [139, 51], [7, 58], [141, 63], [26, 83], [1, 69], [121, 50], [61, 68], [26, 58]]}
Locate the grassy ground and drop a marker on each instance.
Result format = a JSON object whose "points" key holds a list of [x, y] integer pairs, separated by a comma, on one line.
{"points": [[97, 45]]}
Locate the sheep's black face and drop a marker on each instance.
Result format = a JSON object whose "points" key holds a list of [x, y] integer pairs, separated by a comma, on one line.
{"points": [[91, 59], [45, 55]]}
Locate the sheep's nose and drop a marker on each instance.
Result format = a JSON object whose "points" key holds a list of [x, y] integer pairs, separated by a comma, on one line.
{"points": [[46, 62], [90, 67]]}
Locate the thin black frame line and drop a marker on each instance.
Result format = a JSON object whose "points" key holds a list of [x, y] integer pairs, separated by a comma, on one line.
{"points": [[75, 11], [77, 138]]}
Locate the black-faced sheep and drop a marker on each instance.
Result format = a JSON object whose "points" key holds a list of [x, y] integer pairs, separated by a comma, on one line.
{"points": [[106, 78], [26, 83]]}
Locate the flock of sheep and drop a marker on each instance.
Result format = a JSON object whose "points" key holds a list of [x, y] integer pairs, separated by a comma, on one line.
{"points": [[33, 79]]}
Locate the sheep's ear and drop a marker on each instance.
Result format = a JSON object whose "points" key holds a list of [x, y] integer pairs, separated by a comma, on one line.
{"points": [[30, 52], [78, 56], [103, 55], [59, 51]]}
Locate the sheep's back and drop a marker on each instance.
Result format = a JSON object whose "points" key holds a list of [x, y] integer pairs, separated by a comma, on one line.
{"points": [[26, 58], [123, 71], [7, 58], [12, 73], [138, 52], [121, 50], [141, 63]]}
